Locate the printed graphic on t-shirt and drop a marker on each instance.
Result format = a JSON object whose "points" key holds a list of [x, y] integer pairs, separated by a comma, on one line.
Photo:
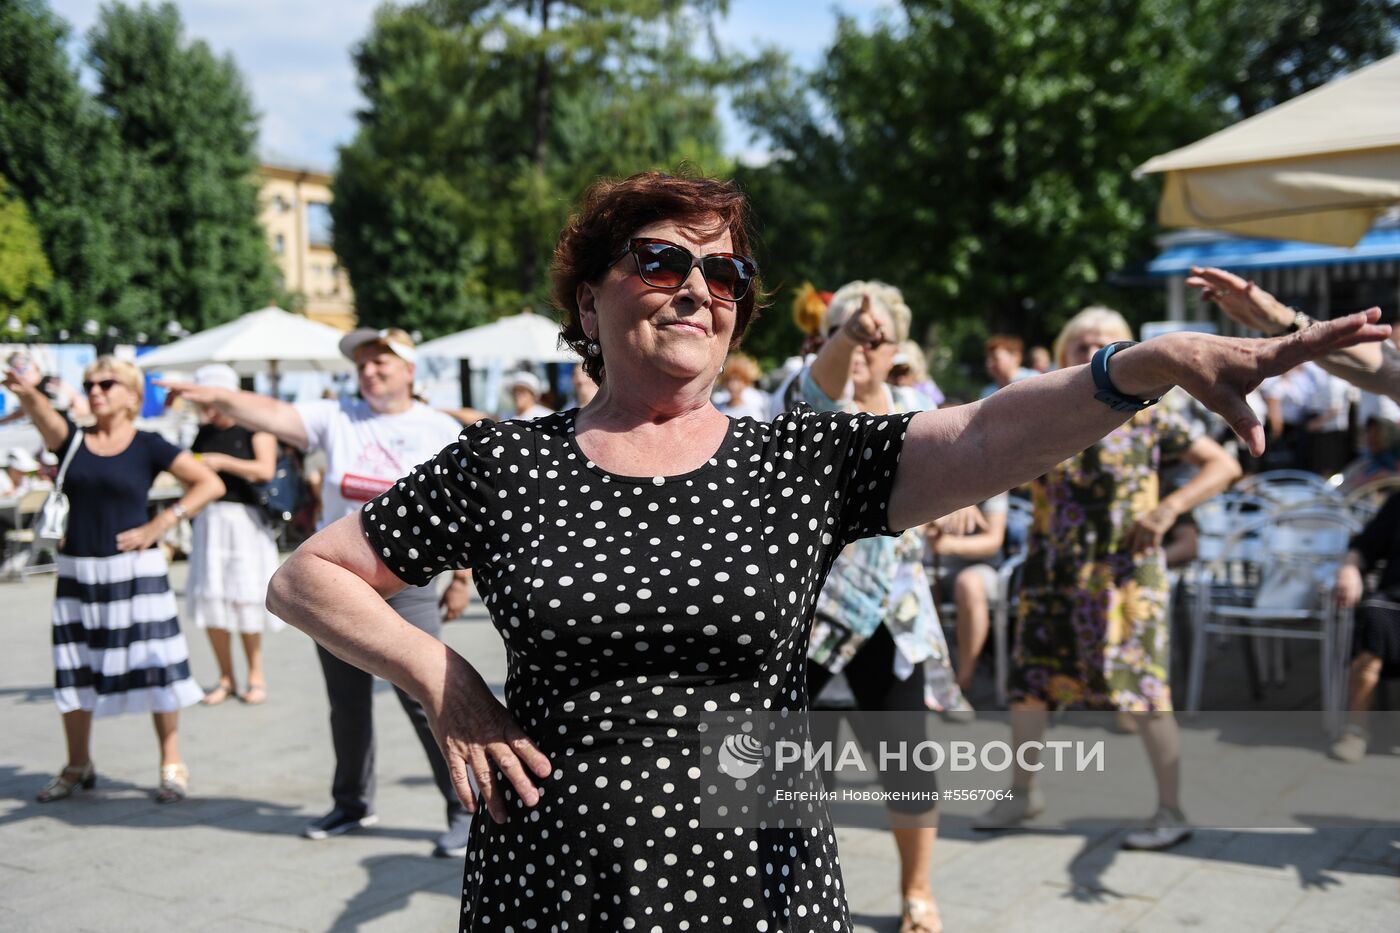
{"points": [[355, 488]]}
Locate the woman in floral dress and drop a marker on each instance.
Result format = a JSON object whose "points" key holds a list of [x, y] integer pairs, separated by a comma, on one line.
{"points": [[1093, 631]]}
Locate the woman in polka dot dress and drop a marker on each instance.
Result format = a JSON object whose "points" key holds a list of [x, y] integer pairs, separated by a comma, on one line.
{"points": [[650, 563]]}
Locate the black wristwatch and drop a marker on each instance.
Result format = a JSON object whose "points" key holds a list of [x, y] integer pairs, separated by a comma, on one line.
{"points": [[1108, 393]]}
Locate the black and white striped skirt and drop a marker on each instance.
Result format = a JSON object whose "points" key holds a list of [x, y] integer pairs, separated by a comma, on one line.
{"points": [[117, 646]]}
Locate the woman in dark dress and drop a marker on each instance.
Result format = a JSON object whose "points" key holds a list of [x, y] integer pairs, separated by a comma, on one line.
{"points": [[651, 563], [234, 553], [116, 640]]}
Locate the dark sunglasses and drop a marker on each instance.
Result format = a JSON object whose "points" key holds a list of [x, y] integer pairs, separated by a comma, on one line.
{"points": [[666, 265], [104, 384]]}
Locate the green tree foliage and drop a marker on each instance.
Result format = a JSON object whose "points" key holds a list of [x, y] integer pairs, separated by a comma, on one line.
{"points": [[485, 120], [187, 130], [24, 271], [979, 153], [1286, 47], [60, 156]]}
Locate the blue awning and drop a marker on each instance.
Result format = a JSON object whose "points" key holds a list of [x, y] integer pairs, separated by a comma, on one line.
{"points": [[1235, 253]]}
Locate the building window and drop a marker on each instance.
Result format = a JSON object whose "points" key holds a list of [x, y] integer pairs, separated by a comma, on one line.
{"points": [[279, 245], [318, 223]]}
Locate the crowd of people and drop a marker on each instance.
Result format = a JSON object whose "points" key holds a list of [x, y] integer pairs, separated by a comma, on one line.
{"points": [[858, 512]]}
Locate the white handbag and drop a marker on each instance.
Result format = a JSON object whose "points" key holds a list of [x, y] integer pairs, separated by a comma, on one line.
{"points": [[51, 524]]}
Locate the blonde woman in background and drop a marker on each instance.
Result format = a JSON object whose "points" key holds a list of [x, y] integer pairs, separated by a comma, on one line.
{"points": [[116, 639], [739, 398], [234, 554], [1093, 627], [875, 621]]}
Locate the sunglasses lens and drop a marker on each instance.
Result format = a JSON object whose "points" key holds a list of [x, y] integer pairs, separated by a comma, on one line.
{"points": [[726, 277], [663, 266]]}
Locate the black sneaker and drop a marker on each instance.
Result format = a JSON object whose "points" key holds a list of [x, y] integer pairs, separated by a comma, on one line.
{"points": [[453, 843], [337, 823]]}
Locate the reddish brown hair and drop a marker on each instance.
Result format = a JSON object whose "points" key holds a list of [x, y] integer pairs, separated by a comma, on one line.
{"points": [[611, 211], [1005, 342]]}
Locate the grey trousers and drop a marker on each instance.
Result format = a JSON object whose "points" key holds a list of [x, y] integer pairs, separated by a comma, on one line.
{"points": [[351, 694]]}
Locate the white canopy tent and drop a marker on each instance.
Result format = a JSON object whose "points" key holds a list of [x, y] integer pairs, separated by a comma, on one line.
{"points": [[1321, 167], [523, 337], [268, 340]]}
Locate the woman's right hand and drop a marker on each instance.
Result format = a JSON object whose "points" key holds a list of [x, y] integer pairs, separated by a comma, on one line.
{"points": [[16, 383], [477, 734], [1349, 586], [864, 326]]}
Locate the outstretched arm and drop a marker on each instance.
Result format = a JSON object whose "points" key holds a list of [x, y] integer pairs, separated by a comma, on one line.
{"points": [[1374, 367], [959, 456], [250, 410]]}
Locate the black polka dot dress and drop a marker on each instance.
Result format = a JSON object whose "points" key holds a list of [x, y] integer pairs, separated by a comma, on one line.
{"points": [[630, 608]]}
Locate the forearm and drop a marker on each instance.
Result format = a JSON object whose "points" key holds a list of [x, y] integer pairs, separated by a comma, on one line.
{"points": [[344, 614], [53, 427], [260, 413], [254, 471], [832, 367], [1374, 367], [970, 547], [964, 455], [1214, 477]]}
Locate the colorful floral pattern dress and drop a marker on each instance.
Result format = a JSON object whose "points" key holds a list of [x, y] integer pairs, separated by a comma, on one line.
{"points": [[1093, 631]]}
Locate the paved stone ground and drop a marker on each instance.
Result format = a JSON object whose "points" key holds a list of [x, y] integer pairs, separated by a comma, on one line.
{"points": [[229, 859]]}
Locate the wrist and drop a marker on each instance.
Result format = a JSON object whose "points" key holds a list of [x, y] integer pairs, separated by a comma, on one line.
{"points": [[1139, 372]]}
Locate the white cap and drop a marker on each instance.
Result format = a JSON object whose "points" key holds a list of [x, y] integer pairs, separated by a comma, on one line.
{"points": [[396, 340], [216, 376], [526, 380], [22, 460]]}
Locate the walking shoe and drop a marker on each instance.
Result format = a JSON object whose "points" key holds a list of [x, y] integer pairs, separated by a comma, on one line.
{"points": [[1351, 747], [1168, 828], [67, 783], [1013, 811], [337, 823], [453, 843]]}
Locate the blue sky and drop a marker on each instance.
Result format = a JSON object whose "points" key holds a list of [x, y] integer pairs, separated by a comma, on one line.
{"points": [[295, 55]]}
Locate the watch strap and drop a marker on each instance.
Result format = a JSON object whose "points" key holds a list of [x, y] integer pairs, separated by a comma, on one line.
{"points": [[1107, 392]]}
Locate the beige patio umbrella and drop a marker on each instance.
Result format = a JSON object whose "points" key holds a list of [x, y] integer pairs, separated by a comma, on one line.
{"points": [[1321, 167]]}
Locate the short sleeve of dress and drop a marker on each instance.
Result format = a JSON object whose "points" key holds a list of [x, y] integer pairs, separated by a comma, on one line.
{"points": [[439, 517], [159, 451], [1173, 434], [855, 456]]}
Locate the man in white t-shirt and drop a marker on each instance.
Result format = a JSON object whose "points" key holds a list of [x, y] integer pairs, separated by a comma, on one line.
{"points": [[369, 444]]}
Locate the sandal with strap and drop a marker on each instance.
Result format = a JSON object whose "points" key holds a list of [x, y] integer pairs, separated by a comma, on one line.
{"points": [[67, 782], [255, 695], [219, 694], [174, 783], [920, 916]]}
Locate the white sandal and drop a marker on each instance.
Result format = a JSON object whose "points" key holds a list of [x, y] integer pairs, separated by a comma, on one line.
{"points": [[174, 783], [67, 782]]}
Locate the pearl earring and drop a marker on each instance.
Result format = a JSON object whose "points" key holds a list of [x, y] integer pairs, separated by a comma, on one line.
{"points": [[593, 348]]}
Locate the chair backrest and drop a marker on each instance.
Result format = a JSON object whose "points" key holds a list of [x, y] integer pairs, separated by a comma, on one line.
{"points": [[1303, 550], [32, 501], [1288, 487], [1217, 517], [1366, 500]]}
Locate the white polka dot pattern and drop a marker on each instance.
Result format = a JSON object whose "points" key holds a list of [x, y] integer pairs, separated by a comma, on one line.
{"points": [[630, 607]]}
